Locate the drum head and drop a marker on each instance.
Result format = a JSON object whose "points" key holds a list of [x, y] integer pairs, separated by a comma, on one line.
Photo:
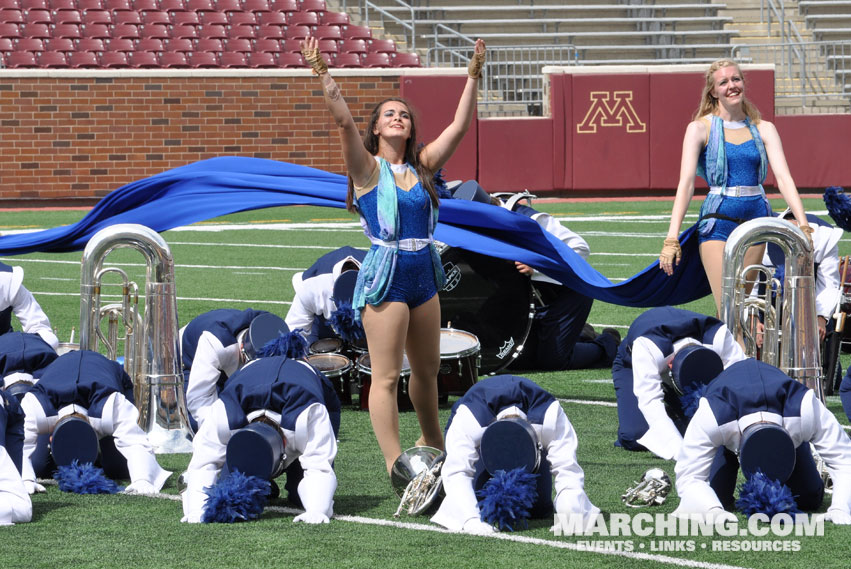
{"points": [[326, 346], [329, 364], [364, 364], [457, 343], [489, 298]]}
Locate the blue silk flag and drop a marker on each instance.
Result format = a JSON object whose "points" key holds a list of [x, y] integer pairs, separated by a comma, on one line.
{"points": [[220, 186]]}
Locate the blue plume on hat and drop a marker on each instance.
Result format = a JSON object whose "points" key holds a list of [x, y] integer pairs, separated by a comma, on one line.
{"points": [[505, 499], [440, 185], [235, 498], [84, 478], [292, 344], [690, 398], [838, 206], [759, 494], [344, 322]]}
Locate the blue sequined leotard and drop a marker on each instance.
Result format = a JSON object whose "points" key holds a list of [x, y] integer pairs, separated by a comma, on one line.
{"points": [[414, 279], [743, 168]]}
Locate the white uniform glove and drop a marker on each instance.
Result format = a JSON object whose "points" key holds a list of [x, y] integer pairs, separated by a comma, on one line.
{"points": [[838, 517], [312, 518], [478, 527], [140, 487], [34, 487]]}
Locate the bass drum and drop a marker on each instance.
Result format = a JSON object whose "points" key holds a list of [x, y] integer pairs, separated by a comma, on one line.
{"points": [[489, 298]]}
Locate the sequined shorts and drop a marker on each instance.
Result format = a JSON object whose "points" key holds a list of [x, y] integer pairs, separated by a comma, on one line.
{"points": [[741, 209], [413, 281]]}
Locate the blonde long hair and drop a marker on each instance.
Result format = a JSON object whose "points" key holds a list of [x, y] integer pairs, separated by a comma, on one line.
{"points": [[709, 104]]}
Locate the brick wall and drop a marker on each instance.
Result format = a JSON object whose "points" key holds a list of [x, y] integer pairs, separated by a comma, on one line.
{"points": [[73, 136]]}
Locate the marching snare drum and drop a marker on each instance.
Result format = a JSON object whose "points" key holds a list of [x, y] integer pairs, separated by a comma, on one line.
{"points": [[364, 374], [489, 298], [326, 346], [459, 361], [337, 368]]}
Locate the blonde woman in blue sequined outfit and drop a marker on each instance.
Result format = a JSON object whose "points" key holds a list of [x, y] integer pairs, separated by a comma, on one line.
{"points": [[730, 147], [391, 187]]}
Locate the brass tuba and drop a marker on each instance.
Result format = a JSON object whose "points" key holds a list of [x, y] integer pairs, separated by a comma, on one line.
{"points": [[793, 346], [152, 352]]}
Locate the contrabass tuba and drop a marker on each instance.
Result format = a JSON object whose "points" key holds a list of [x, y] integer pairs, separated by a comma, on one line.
{"points": [[798, 354], [151, 342]]}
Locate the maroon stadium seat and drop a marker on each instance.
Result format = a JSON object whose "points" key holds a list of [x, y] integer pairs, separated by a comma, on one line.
{"points": [[297, 32], [188, 31], [93, 44], [151, 44], [376, 60], [290, 59], [283, 5], [114, 60], [327, 33], [29, 44], [11, 16], [270, 32], [262, 60], [402, 59], [241, 45], [328, 46], [209, 44], [145, 5], [242, 31], [228, 6], [242, 18], [97, 31], [185, 19], [10, 31], [143, 60], [21, 60], [35, 31], [84, 5], [381, 46], [334, 19], [38, 17], [33, 5], [357, 32], [70, 31], [200, 6], [97, 17], [67, 17], [6, 44], [118, 6], [213, 18], [266, 45], [174, 60], [160, 31], [172, 6], [202, 59], [272, 19], [353, 46], [212, 31], [83, 60], [312, 6], [11, 4], [232, 59], [347, 60], [178, 44], [256, 6], [127, 17], [55, 5], [52, 60], [126, 31], [293, 45], [59, 44], [303, 19], [125, 45], [156, 17]]}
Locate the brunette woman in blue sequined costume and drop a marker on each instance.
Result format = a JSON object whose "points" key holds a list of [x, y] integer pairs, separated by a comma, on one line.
{"points": [[391, 187], [730, 147]]}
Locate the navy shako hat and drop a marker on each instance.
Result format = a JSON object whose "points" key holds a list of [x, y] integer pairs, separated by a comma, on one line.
{"points": [[258, 449], [767, 447], [471, 190], [19, 388], [344, 288], [508, 444], [73, 438], [262, 330], [694, 365]]}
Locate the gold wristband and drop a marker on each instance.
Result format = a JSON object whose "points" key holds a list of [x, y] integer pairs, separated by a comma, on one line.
{"points": [[314, 58], [477, 62]]}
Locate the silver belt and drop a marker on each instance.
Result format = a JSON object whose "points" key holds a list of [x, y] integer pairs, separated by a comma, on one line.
{"points": [[403, 244], [736, 191]]}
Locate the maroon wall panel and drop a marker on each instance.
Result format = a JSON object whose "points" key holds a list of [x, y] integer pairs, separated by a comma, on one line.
{"points": [[561, 112], [435, 99], [611, 124], [516, 154], [816, 148]]}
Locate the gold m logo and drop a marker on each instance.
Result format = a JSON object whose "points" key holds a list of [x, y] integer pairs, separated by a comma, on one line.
{"points": [[611, 109]]}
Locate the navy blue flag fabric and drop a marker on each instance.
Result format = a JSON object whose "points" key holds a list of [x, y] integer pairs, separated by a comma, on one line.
{"points": [[220, 186]]}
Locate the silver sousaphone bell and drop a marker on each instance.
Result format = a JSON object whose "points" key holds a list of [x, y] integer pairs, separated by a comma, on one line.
{"points": [[415, 478], [651, 490]]}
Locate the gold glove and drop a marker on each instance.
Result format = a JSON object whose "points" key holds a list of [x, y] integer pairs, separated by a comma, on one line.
{"points": [[808, 231], [671, 252], [314, 58], [477, 62]]}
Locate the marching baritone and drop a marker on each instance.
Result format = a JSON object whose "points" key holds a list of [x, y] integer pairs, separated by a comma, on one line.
{"points": [[649, 411]]}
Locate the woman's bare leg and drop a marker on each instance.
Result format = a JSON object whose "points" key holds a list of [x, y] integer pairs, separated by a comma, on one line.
{"points": [[386, 326], [423, 349], [712, 257]]}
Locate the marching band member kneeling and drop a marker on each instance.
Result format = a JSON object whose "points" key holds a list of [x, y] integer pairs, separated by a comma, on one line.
{"points": [[755, 416], [650, 413], [15, 503], [275, 415], [214, 345], [85, 402], [508, 432]]}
